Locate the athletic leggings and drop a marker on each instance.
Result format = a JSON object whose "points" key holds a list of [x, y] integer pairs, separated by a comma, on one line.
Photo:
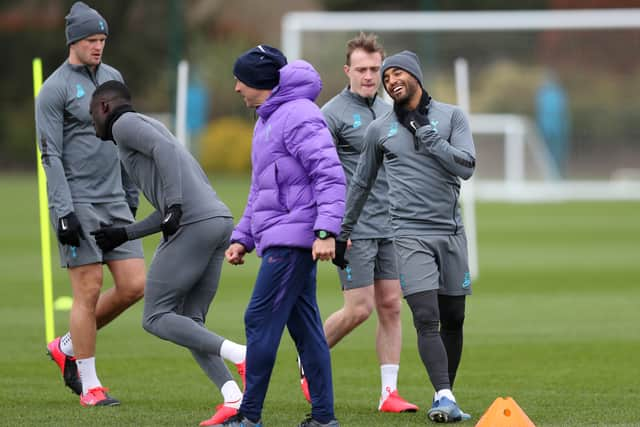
{"points": [[438, 320], [181, 283]]}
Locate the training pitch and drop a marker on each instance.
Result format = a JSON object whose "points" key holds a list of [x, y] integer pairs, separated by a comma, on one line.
{"points": [[554, 322]]}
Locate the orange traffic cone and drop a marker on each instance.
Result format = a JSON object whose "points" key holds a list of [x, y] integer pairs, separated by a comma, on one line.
{"points": [[505, 412]]}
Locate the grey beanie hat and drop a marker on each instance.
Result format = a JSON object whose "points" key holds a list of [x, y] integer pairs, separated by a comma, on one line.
{"points": [[82, 22], [406, 60]]}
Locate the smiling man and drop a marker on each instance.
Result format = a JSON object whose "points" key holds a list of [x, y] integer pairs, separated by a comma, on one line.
{"points": [[371, 281], [426, 147], [86, 186]]}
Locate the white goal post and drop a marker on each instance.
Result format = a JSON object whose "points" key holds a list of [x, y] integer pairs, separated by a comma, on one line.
{"points": [[295, 23], [514, 127]]}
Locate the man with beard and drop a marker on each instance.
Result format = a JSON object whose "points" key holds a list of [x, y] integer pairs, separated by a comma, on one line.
{"points": [[426, 147], [372, 277]]}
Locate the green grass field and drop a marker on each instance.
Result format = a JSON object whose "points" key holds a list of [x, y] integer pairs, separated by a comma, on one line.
{"points": [[554, 322]]}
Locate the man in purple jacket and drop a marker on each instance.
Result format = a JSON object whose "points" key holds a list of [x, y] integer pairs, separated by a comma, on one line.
{"points": [[294, 211]]}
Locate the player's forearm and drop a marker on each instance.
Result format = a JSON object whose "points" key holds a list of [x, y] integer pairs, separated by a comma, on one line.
{"points": [[360, 187], [149, 225], [356, 199], [57, 186], [458, 162]]}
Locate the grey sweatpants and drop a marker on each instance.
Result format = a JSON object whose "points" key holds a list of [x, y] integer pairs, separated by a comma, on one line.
{"points": [[181, 283]]}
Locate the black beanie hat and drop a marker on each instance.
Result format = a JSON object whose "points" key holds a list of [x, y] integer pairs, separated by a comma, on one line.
{"points": [[259, 67], [82, 22], [406, 60]]}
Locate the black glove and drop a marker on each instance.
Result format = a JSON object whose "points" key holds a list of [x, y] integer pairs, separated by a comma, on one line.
{"points": [[70, 230], [134, 211], [415, 119], [340, 260], [109, 238], [171, 221]]}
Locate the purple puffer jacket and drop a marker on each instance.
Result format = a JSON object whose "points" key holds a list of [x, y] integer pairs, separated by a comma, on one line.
{"points": [[297, 181]]}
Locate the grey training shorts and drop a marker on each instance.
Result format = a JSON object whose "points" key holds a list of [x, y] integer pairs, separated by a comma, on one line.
{"points": [[91, 215], [433, 262], [369, 260]]}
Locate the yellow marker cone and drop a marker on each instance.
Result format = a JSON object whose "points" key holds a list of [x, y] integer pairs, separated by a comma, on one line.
{"points": [[505, 412]]}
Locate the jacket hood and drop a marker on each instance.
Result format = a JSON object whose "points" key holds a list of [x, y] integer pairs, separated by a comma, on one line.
{"points": [[298, 80]]}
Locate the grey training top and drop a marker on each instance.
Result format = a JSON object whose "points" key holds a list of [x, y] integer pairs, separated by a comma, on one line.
{"points": [[79, 167], [165, 171], [348, 116], [424, 182]]}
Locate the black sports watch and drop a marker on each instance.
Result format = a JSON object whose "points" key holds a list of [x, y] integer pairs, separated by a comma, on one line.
{"points": [[324, 234]]}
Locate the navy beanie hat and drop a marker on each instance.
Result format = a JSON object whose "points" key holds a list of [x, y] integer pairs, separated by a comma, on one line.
{"points": [[259, 67], [406, 60], [82, 22]]}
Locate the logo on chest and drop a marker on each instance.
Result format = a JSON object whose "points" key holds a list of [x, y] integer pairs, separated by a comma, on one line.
{"points": [[357, 121], [79, 91], [393, 129]]}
